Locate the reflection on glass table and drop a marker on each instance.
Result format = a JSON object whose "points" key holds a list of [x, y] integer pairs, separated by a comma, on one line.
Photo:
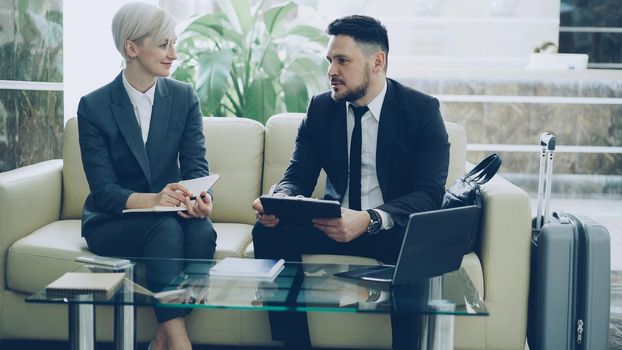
{"points": [[299, 288]]}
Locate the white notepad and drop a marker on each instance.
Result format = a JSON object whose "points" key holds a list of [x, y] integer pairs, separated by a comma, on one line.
{"points": [[86, 282], [194, 186]]}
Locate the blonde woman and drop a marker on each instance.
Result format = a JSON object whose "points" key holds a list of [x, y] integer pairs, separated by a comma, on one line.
{"points": [[139, 136]]}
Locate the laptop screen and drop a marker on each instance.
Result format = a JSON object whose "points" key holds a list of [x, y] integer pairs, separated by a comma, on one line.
{"points": [[434, 243]]}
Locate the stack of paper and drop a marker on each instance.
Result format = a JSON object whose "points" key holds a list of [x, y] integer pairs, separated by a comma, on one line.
{"points": [[239, 267]]}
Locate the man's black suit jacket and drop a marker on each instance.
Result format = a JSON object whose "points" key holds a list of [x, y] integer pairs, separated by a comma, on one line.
{"points": [[412, 155]]}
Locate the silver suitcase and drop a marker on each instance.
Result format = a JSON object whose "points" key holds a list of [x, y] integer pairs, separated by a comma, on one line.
{"points": [[570, 273]]}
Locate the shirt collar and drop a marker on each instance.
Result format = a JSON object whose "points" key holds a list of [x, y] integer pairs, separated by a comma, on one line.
{"points": [[135, 95], [375, 105]]}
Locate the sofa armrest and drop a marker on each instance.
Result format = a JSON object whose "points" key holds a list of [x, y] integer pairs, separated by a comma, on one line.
{"points": [[30, 197], [505, 255]]}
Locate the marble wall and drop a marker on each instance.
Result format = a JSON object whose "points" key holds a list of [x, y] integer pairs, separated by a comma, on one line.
{"points": [[31, 118], [492, 118], [31, 126]]}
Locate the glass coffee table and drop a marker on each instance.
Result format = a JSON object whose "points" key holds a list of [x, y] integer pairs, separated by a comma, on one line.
{"points": [[300, 287]]}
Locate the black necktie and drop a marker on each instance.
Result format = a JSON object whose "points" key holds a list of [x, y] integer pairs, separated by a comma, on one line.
{"points": [[355, 158]]}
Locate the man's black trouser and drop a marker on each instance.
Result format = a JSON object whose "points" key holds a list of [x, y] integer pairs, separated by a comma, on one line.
{"points": [[290, 243]]}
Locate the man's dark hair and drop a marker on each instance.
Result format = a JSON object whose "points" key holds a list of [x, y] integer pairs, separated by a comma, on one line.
{"points": [[363, 29]]}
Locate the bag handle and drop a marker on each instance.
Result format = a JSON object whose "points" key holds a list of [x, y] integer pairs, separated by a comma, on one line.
{"points": [[485, 170]]}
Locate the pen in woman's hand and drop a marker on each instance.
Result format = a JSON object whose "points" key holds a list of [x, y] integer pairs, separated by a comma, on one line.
{"points": [[194, 197]]}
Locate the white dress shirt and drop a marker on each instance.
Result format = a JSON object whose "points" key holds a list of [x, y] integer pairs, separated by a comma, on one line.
{"points": [[371, 196], [143, 105]]}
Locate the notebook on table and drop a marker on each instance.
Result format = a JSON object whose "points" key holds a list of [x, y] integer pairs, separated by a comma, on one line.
{"points": [[86, 282], [433, 244]]}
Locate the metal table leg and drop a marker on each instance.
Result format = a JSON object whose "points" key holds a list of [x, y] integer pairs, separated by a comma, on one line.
{"points": [[81, 326], [125, 318], [437, 330], [124, 329]]}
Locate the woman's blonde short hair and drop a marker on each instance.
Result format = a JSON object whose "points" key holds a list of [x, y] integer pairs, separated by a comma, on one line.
{"points": [[136, 20]]}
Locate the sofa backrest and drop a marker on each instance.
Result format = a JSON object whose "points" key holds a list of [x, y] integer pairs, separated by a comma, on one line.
{"points": [[237, 151], [75, 187], [234, 150], [281, 132]]}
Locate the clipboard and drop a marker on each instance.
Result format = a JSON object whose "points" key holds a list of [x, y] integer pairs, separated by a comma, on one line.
{"points": [[299, 211]]}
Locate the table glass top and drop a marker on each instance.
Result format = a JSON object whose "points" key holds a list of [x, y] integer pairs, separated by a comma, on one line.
{"points": [[299, 287]]}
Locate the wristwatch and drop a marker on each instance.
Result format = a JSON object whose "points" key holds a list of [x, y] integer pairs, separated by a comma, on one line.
{"points": [[375, 225]]}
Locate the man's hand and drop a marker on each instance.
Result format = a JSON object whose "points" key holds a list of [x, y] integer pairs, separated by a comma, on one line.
{"points": [[201, 208], [349, 226], [264, 219]]}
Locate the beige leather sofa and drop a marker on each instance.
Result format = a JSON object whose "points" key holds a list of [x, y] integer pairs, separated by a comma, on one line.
{"points": [[40, 208]]}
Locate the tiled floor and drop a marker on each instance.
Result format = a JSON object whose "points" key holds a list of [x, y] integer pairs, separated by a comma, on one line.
{"points": [[609, 213]]}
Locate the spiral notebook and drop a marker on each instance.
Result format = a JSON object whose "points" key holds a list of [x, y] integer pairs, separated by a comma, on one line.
{"points": [[86, 282]]}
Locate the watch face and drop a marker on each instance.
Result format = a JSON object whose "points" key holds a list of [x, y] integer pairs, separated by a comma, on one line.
{"points": [[375, 225]]}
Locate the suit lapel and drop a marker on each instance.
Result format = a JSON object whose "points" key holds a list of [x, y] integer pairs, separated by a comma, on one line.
{"points": [[123, 113], [387, 134], [339, 144], [160, 115]]}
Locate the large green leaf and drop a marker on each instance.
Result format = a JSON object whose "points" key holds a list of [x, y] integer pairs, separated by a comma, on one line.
{"points": [[274, 17], [260, 100], [246, 64], [212, 81], [271, 63], [216, 27], [305, 64], [312, 33], [184, 73], [295, 91], [308, 67], [239, 14]]}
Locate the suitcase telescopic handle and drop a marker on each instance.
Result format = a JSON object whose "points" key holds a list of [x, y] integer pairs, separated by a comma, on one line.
{"points": [[547, 142]]}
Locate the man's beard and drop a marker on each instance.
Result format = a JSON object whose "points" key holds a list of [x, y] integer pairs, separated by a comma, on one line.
{"points": [[357, 93]]}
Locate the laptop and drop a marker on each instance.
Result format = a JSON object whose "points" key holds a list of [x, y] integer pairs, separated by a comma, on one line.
{"points": [[433, 244]]}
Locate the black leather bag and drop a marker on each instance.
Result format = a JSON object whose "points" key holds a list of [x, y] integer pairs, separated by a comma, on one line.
{"points": [[466, 191]]}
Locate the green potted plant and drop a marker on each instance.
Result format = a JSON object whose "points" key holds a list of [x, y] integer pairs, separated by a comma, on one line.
{"points": [[252, 61]]}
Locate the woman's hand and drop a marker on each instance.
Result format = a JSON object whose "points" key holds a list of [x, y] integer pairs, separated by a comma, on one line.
{"points": [[200, 209], [172, 195]]}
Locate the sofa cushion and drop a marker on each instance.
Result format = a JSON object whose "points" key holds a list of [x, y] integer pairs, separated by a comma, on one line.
{"points": [[234, 150], [39, 258], [232, 239], [44, 255]]}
